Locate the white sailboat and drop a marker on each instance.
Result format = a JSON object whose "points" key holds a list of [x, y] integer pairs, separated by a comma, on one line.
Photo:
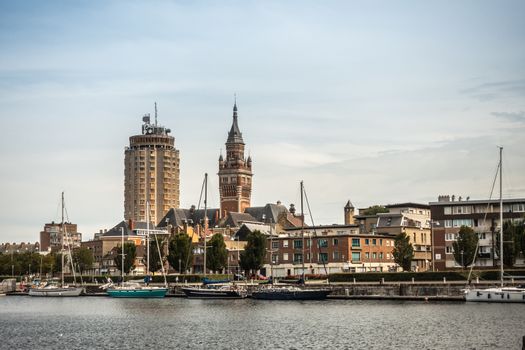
{"points": [[51, 289], [500, 294]]}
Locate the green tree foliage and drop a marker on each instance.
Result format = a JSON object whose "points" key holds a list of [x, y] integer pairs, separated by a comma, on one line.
{"points": [[156, 243], [18, 263], [465, 246], [130, 253], [513, 235], [180, 249], [403, 251], [252, 258], [83, 259], [216, 253], [373, 210]]}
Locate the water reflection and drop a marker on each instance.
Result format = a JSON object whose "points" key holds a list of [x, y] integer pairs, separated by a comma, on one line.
{"points": [[255, 324]]}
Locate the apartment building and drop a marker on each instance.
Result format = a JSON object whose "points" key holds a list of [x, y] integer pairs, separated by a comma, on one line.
{"points": [[449, 214]]}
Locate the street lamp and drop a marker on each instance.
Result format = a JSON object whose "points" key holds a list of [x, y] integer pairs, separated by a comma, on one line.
{"points": [[462, 263], [432, 222]]}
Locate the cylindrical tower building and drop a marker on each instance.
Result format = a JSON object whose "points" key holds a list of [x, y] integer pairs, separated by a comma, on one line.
{"points": [[151, 173]]}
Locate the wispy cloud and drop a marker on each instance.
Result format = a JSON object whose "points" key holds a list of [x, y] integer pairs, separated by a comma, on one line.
{"points": [[518, 117], [495, 90]]}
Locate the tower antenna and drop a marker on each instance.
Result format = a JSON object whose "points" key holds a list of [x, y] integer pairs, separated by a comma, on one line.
{"points": [[155, 113]]}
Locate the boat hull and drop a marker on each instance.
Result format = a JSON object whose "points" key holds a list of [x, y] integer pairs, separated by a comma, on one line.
{"points": [[496, 295], [56, 292], [205, 293], [138, 293], [284, 294]]}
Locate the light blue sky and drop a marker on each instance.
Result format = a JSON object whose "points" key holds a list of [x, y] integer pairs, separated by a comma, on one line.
{"points": [[374, 101]]}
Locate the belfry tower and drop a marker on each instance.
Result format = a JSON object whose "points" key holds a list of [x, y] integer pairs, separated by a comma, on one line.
{"points": [[235, 172]]}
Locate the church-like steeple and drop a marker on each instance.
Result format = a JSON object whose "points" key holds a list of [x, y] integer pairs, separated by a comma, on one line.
{"points": [[235, 135], [235, 172]]}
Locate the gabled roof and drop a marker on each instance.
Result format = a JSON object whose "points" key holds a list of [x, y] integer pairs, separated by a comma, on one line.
{"points": [[349, 205], [117, 230], [269, 213], [236, 219], [177, 217]]}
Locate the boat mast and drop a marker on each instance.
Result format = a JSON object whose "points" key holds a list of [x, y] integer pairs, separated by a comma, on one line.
{"points": [[122, 251], [147, 240], [302, 229], [63, 238], [205, 217], [501, 213]]}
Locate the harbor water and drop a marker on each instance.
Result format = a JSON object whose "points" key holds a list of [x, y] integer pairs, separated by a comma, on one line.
{"points": [[177, 323]]}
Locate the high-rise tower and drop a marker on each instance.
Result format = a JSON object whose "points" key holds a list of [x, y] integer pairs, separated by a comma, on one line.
{"points": [[151, 173], [235, 172]]}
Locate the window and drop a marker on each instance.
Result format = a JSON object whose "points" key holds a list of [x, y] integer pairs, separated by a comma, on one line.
{"points": [[450, 237], [447, 210], [520, 207], [355, 242], [298, 258], [335, 241], [381, 241], [285, 257], [323, 243], [380, 255], [367, 255], [367, 241], [275, 244], [297, 244], [335, 256], [449, 250], [374, 241], [356, 256], [285, 244], [448, 223], [275, 258], [463, 222], [374, 255], [483, 236], [323, 257]]}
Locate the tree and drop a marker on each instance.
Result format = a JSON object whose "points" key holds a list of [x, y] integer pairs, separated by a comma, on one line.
{"points": [[83, 259], [216, 253], [373, 210], [155, 245], [465, 246], [180, 253], [403, 251], [512, 242], [130, 253], [252, 258]]}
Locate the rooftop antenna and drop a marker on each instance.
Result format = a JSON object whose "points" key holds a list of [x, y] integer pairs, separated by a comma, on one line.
{"points": [[155, 113]]}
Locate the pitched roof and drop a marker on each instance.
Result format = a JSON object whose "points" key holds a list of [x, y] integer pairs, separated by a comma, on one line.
{"points": [[269, 213], [117, 230], [177, 217], [236, 219]]}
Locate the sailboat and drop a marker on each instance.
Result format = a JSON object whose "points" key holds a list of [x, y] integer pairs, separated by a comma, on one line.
{"points": [[212, 289], [299, 292], [499, 294], [134, 289], [51, 288]]}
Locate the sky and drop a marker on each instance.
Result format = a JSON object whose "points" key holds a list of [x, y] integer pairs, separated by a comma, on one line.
{"points": [[377, 102]]}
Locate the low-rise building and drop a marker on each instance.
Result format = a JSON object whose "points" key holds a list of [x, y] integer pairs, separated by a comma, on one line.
{"points": [[328, 249], [449, 214]]}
